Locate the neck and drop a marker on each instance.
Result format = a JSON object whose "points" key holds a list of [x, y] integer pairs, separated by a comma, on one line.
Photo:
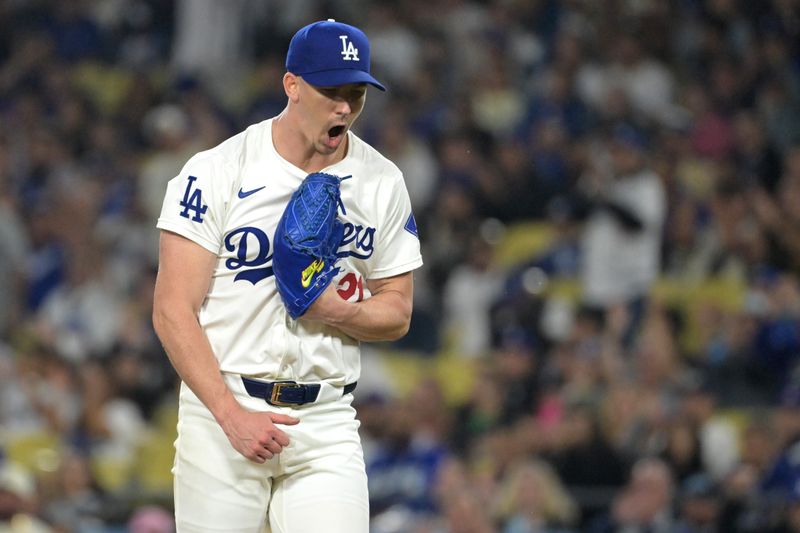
{"points": [[298, 149]]}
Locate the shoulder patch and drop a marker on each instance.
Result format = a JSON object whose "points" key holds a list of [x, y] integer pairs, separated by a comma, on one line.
{"points": [[411, 226]]}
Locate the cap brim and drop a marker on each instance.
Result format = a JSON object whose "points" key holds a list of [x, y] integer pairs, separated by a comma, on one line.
{"points": [[334, 78]]}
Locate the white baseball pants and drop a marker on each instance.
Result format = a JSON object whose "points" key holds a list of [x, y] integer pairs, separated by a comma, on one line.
{"points": [[317, 483]]}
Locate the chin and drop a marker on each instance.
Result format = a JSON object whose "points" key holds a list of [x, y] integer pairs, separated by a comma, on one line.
{"points": [[324, 149]]}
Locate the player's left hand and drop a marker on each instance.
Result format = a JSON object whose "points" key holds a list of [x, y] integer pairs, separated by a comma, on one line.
{"points": [[330, 308]]}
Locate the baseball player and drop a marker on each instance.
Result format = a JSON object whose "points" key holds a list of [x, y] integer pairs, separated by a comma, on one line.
{"points": [[267, 437]]}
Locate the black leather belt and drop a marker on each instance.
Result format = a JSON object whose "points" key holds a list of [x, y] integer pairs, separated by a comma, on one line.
{"points": [[287, 393]]}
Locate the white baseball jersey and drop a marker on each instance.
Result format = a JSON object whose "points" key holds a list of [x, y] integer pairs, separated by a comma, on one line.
{"points": [[229, 200]]}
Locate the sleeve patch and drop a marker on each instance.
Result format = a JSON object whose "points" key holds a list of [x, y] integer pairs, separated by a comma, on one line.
{"points": [[411, 226], [193, 201]]}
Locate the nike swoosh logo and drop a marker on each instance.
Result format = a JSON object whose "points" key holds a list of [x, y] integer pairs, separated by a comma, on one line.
{"points": [[245, 194], [310, 270]]}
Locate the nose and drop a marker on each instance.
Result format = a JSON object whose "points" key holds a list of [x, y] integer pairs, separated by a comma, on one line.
{"points": [[343, 107]]}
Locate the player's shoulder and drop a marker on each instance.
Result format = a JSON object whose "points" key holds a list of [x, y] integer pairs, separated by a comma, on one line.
{"points": [[373, 163]]}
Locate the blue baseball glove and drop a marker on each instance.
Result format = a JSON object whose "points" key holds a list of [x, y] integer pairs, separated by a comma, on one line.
{"points": [[306, 240]]}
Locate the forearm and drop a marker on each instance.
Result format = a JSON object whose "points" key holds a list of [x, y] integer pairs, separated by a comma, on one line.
{"points": [[384, 316], [379, 318], [191, 355]]}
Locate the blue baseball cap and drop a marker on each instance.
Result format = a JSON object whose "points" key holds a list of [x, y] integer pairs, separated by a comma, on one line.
{"points": [[329, 53]]}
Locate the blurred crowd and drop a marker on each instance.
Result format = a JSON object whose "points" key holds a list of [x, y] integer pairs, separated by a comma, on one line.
{"points": [[608, 195]]}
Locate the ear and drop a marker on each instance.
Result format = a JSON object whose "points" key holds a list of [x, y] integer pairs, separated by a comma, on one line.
{"points": [[291, 86]]}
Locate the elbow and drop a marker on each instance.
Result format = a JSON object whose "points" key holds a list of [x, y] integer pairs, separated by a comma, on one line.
{"points": [[401, 329], [165, 318], [159, 320], [397, 333]]}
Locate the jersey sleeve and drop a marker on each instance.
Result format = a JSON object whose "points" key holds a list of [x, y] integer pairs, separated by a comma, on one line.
{"points": [[398, 247], [196, 202]]}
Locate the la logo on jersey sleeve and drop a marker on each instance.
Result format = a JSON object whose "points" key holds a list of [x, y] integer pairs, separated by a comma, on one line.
{"points": [[193, 201]]}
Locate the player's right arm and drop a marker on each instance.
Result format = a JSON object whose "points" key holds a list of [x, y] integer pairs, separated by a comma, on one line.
{"points": [[184, 274]]}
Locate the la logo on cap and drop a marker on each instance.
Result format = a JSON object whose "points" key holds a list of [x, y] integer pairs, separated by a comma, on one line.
{"points": [[349, 51]]}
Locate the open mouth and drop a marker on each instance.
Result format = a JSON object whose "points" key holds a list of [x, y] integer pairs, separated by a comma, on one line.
{"points": [[335, 131]]}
